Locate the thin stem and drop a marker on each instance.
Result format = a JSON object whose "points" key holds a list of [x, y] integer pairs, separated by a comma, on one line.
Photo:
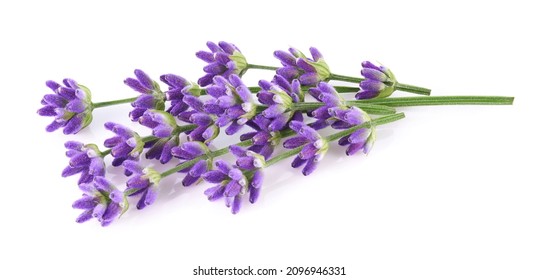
{"points": [[369, 108], [341, 89], [338, 135], [437, 100], [113, 102], [412, 89], [263, 67], [344, 78]]}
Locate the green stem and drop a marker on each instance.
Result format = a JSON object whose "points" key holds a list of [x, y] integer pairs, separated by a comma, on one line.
{"points": [[437, 100], [344, 78], [412, 89], [263, 67], [113, 102], [338, 135], [341, 89], [374, 109], [398, 86]]}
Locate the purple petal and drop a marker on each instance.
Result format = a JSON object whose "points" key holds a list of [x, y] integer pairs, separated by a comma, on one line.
{"points": [[236, 205], [303, 64], [232, 189], [144, 79], [55, 100], [254, 193], [136, 85], [174, 81], [233, 128], [146, 101], [294, 142], [214, 193], [367, 94], [309, 79], [246, 163], [205, 56], [70, 171], [315, 53], [368, 64], [373, 74], [151, 196], [47, 111], [265, 97], [214, 176], [86, 202], [74, 125], [189, 180], [214, 68], [227, 47], [223, 166], [273, 111], [247, 136], [372, 85], [199, 168], [309, 151], [256, 181], [288, 72], [309, 167], [206, 80], [285, 58], [193, 148], [85, 216], [138, 182], [237, 151], [297, 162]]}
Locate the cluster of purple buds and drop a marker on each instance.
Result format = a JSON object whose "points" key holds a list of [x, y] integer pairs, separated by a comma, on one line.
{"points": [[190, 151], [85, 160], [151, 95], [206, 129], [125, 145], [233, 182], [296, 65], [100, 200], [232, 102], [144, 182], [224, 60], [314, 147], [70, 105], [379, 81]]}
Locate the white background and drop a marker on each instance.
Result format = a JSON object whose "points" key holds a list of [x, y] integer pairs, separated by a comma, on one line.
{"points": [[447, 193]]}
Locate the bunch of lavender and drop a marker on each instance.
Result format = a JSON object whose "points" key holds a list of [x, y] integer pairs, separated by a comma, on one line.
{"points": [[289, 111]]}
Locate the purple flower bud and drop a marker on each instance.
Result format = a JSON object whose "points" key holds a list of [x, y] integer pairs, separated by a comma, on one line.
{"points": [[104, 204], [224, 60], [71, 110]]}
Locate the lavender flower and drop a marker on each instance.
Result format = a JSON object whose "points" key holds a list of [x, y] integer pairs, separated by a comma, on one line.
{"points": [[232, 102], [84, 159], [297, 66], [264, 139], [144, 182], [164, 127], [314, 147], [151, 95], [225, 59], [235, 181], [206, 129], [101, 200], [280, 95], [178, 87], [126, 145], [379, 81], [70, 105], [325, 93], [189, 151], [363, 138]]}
